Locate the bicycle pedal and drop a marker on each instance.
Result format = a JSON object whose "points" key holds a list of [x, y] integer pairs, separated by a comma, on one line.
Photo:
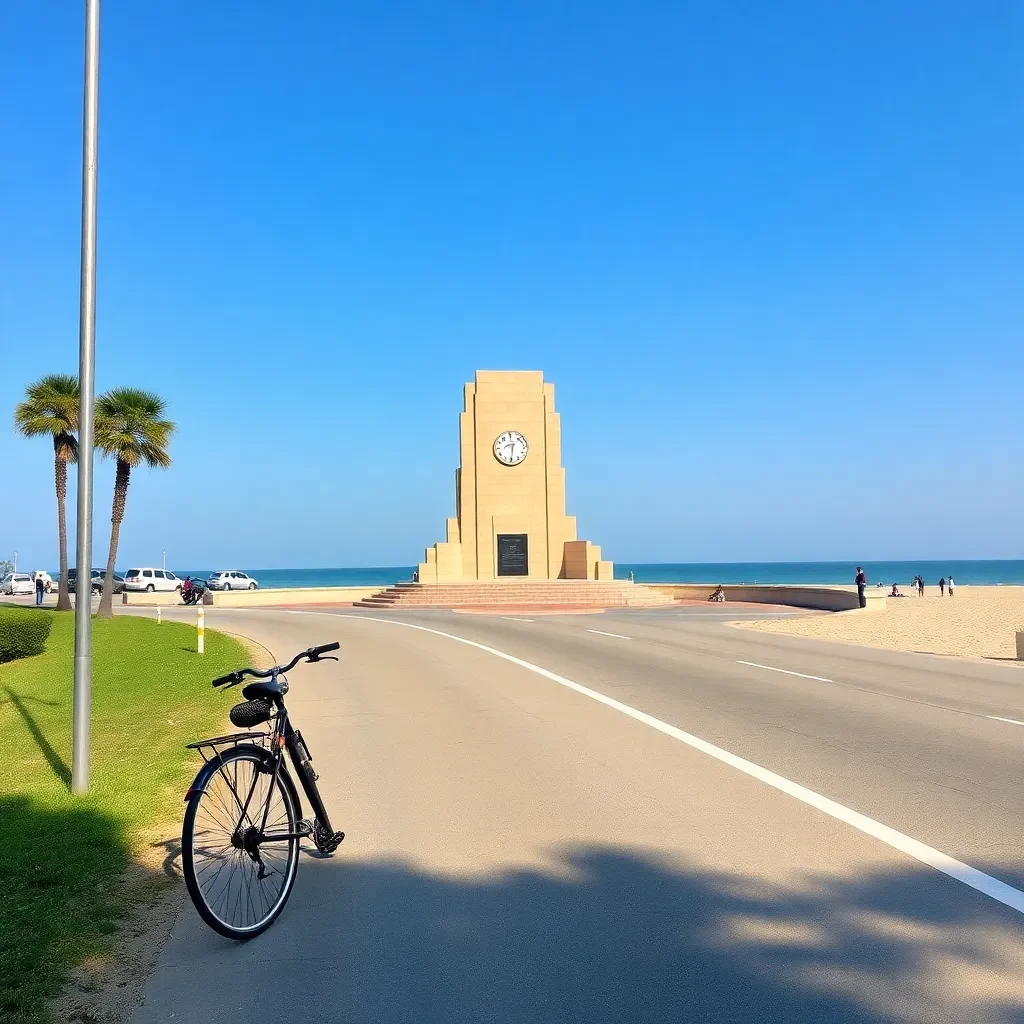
{"points": [[327, 842]]}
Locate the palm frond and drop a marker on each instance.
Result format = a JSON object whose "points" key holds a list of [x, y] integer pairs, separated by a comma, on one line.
{"points": [[130, 427], [50, 409]]}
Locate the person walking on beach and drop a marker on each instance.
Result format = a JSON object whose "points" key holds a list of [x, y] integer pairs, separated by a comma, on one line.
{"points": [[862, 582], [942, 587], [920, 586], [40, 590], [949, 586]]}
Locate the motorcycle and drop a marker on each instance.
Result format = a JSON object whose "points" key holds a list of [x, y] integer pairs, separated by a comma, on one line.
{"points": [[192, 592]]}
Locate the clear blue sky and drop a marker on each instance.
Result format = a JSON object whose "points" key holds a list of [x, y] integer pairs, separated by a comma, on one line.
{"points": [[772, 256]]}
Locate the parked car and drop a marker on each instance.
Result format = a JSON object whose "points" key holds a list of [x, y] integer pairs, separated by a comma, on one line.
{"points": [[17, 583], [97, 581], [151, 580], [231, 580]]}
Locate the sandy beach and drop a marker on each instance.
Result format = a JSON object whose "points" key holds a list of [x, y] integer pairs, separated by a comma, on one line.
{"points": [[979, 622]]}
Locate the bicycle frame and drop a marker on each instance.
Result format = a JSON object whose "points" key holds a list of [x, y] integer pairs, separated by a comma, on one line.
{"points": [[284, 737], [291, 739]]}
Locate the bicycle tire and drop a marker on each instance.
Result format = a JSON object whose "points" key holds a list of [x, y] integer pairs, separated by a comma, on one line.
{"points": [[206, 804]]}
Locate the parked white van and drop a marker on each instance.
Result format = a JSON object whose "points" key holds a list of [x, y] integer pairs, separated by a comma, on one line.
{"points": [[151, 580]]}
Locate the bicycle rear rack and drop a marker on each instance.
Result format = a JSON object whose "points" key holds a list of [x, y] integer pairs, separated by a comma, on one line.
{"points": [[232, 739]]}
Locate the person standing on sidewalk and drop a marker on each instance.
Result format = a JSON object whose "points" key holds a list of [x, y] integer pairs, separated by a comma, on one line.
{"points": [[862, 582], [40, 590]]}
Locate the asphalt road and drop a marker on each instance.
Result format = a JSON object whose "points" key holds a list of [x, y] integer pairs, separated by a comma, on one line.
{"points": [[584, 842]]}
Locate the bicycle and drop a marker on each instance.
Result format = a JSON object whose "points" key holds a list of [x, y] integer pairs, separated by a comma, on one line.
{"points": [[243, 824]]}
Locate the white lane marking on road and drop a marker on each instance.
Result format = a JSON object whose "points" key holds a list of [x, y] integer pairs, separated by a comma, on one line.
{"points": [[785, 671], [955, 869], [512, 618], [601, 632], [996, 718]]}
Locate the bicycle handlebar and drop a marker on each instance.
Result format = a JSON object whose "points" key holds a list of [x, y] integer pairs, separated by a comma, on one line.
{"points": [[310, 654]]}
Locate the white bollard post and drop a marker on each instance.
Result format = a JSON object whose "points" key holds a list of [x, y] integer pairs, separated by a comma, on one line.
{"points": [[201, 631], [158, 619]]}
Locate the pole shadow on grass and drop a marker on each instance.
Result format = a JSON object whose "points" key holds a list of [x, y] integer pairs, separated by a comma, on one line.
{"points": [[53, 759]]}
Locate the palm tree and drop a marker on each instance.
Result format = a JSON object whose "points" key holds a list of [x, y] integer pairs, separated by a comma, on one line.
{"points": [[50, 409], [130, 429]]}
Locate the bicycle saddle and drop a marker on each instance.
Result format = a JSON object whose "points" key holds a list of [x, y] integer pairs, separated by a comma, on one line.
{"points": [[266, 689]]}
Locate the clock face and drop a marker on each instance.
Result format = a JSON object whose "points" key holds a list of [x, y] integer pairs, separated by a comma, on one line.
{"points": [[510, 448]]}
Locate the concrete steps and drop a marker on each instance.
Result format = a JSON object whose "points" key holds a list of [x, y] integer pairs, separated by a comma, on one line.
{"points": [[518, 594]]}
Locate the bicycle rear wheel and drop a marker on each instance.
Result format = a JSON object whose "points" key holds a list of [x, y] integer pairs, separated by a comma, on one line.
{"points": [[239, 885]]}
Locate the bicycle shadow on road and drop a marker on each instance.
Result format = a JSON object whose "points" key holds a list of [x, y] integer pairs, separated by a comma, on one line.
{"points": [[606, 934]]}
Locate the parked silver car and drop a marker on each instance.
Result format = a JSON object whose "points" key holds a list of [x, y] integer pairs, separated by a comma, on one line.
{"points": [[231, 580]]}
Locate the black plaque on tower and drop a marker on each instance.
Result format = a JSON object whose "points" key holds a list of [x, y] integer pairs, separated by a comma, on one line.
{"points": [[512, 554]]}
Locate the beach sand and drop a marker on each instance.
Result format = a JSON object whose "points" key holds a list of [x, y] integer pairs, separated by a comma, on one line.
{"points": [[979, 622]]}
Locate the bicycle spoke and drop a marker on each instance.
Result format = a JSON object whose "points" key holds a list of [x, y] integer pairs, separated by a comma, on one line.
{"points": [[220, 803], [248, 891], [226, 874], [216, 808], [211, 894], [214, 823], [212, 864], [209, 887]]}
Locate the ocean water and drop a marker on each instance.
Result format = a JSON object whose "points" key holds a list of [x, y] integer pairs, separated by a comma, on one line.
{"points": [[965, 573]]}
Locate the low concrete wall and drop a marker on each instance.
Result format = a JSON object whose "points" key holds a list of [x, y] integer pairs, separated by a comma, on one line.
{"points": [[822, 598], [262, 598], [833, 599]]}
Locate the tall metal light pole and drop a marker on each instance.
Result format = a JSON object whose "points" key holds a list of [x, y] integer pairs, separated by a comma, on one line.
{"points": [[87, 384]]}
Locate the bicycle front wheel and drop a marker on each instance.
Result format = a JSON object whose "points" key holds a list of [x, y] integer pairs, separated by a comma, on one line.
{"points": [[238, 884]]}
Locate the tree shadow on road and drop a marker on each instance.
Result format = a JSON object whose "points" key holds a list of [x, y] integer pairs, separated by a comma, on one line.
{"points": [[609, 934]]}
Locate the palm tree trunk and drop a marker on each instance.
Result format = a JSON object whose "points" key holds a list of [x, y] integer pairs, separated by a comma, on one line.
{"points": [[121, 479], [60, 472]]}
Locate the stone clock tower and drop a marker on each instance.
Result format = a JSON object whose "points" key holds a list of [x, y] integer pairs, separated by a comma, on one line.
{"points": [[510, 516]]}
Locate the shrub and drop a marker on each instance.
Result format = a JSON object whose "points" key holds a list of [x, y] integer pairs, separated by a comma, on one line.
{"points": [[23, 632]]}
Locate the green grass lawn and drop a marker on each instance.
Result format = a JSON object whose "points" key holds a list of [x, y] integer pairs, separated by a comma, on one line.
{"points": [[61, 855]]}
